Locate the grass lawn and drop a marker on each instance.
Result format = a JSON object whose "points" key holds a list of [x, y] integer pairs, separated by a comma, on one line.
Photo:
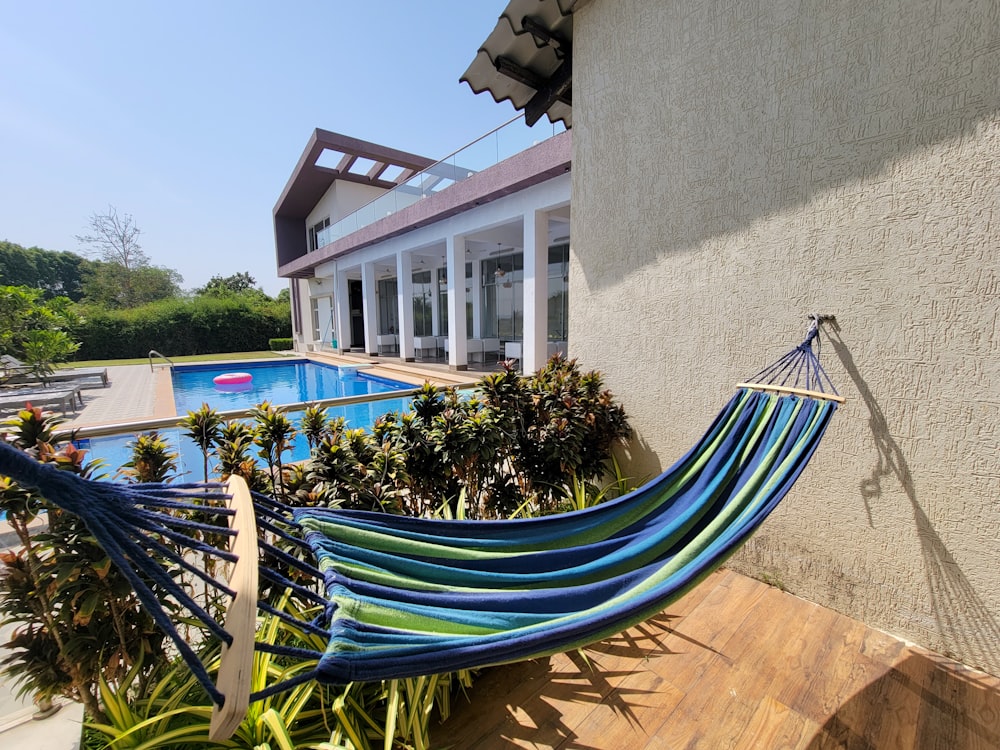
{"points": [[190, 358]]}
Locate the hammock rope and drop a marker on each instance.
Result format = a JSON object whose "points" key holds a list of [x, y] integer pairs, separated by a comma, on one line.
{"points": [[402, 596]]}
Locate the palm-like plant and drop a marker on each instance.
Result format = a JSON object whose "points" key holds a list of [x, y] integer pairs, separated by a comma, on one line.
{"points": [[273, 434], [235, 441], [314, 424], [153, 460], [204, 427]]}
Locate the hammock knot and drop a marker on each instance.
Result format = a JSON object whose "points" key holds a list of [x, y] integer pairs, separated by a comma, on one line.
{"points": [[324, 619]]}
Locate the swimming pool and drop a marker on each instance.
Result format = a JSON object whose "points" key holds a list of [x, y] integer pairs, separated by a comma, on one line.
{"points": [[114, 451], [280, 382]]}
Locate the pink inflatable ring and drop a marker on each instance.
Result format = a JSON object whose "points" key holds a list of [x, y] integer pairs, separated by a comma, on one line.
{"points": [[233, 381]]}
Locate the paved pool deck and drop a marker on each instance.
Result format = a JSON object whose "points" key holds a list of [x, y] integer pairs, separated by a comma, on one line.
{"points": [[138, 392]]}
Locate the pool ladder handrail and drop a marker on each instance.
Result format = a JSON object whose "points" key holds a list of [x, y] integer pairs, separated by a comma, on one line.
{"points": [[161, 356]]}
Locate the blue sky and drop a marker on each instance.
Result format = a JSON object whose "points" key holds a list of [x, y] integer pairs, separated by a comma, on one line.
{"points": [[191, 115]]}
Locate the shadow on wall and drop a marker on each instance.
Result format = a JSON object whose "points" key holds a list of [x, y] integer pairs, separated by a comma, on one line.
{"points": [[757, 118], [946, 707], [638, 461], [962, 618]]}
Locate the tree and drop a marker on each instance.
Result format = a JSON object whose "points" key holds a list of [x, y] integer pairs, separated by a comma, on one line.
{"points": [[33, 329], [238, 283], [115, 238], [55, 273], [111, 286], [123, 277]]}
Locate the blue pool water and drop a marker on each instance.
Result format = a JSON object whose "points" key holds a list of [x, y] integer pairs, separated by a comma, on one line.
{"points": [[280, 382], [114, 451]]}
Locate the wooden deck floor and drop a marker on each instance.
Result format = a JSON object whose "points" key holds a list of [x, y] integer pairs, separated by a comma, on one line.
{"points": [[734, 664]]}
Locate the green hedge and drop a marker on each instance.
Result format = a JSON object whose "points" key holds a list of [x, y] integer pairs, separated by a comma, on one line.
{"points": [[202, 325], [280, 345]]}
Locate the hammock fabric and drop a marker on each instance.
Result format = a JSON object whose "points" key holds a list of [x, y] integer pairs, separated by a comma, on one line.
{"points": [[416, 596], [408, 596]]}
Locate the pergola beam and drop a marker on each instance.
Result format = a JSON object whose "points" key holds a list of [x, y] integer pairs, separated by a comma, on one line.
{"points": [[543, 34], [511, 69], [377, 169], [556, 89], [346, 163]]}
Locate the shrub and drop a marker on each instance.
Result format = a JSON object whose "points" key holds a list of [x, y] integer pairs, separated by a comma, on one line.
{"points": [[77, 620], [202, 325], [523, 441], [279, 345]]}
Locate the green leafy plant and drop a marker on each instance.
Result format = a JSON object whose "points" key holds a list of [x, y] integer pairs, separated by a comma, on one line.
{"points": [[173, 711], [233, 450], [34, 329], [152, 460], [204, 427], [314, 424], [564, 425], [350, 468], [76, 618], [273, 435]]}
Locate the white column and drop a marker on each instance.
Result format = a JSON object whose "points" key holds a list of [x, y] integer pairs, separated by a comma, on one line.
{"points": [[458, 358], [370, 307], [536, 290], [404, 286], [342, 303]]}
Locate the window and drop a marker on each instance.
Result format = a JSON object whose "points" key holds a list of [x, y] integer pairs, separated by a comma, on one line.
{"points": [[503, 297], [322, 318], [443, 300], [442, 279], [558, 328], [423, 323], [388, 306], [316, 237], [316, 324]]}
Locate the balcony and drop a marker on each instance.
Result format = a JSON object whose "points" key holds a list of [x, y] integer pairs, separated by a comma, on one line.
{"points": [[490, 149]]}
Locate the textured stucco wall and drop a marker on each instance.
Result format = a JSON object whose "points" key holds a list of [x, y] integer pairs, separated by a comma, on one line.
{"points": [[739, 165]]}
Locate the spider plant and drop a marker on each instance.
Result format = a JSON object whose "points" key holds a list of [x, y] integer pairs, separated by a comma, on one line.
{"points": [[173, 711]]}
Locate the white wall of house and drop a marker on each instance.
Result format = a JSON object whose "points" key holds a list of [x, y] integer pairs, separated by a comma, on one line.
{"points": [[341, 199], [433, 238], [736, 167]]}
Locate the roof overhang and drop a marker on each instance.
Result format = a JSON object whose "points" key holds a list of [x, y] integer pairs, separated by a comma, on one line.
{"points": [[327, 158], [310, 180], [528, 59], [544, 161]]}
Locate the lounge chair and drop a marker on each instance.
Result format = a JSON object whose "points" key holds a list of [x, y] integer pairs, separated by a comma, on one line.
{"points": [[17, 371], [65, 399]]}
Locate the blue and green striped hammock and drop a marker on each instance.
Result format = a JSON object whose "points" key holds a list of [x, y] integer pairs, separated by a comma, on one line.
{"points": [[409, 596]]}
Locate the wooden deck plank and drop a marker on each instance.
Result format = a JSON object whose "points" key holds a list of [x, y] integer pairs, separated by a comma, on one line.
{"points": [[776, 727], [629, 715], [957, 707], [734, 664]]}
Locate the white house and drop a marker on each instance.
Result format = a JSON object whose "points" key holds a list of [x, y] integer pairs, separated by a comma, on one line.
{"points": [[457, 260]]}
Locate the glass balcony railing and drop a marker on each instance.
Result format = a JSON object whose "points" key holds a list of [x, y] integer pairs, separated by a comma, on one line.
{"points": [[510, 138]]}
